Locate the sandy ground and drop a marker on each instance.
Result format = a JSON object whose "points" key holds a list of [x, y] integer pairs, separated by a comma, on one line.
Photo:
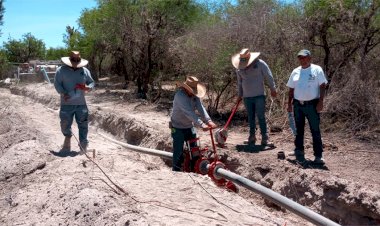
{"points": [[41, 187]]}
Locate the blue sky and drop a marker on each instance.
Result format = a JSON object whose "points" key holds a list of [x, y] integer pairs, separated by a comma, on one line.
{"points": [[44, 19]]}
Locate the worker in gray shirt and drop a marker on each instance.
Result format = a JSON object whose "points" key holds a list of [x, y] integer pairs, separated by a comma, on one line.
{"points": [[252, 74], [184, 117], [71, 81]]}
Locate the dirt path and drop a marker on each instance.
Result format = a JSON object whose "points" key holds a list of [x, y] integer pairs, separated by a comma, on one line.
{"points": [[70, 190], [41, 188]]}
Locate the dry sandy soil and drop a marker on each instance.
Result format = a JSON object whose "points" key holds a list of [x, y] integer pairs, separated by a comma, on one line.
{"points": [[40, 186]]}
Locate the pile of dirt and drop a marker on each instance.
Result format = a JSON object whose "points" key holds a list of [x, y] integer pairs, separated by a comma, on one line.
{"points": [[346, 190], [42, 187]]}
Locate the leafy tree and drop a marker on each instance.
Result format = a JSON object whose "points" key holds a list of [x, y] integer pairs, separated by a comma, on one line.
{"points": [[102, 28], [137, 35], [28, 48], [56, 53], [5, 67], [343, 30], [345, 35], [1, 14], [71, 38]]}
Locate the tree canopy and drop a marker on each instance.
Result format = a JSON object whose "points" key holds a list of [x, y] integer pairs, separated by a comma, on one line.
{"points": [[1, 14], [25, 49], [150, 41]]}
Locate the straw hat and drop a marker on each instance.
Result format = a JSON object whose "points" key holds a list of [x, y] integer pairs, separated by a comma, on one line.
{"points": [[74, 60], [193, 86], [244, 58]]}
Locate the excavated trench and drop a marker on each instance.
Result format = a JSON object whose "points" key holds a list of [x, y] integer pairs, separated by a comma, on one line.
{"points": [[336, 199]]}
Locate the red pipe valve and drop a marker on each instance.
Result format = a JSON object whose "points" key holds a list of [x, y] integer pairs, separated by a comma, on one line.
{"points": [[201, 165], [220, 181]]}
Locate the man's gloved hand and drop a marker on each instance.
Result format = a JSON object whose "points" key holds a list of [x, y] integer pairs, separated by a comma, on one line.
{"points": [[81, 86]]}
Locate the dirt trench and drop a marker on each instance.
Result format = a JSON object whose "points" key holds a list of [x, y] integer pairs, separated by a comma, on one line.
{"points": [[338, 199]]}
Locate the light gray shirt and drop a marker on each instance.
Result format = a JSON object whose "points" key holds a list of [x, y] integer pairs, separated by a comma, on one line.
{"points": [[184, 115], [251, 80], [66, 78]]}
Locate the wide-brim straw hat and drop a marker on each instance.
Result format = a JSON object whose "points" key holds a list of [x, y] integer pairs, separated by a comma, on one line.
{"points": [[71, 60], [193, 86], [244, 58]]}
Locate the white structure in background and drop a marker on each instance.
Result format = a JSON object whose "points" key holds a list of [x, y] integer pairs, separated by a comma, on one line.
{"points": [[32, 70]]}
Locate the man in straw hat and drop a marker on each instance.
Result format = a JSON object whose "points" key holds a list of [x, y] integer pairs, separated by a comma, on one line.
{"points": [[252, 74], [71, 81], [183, 117]]}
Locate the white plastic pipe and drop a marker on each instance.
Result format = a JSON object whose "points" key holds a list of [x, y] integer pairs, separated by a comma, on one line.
{"points": [[275, 197], [150, 151]]}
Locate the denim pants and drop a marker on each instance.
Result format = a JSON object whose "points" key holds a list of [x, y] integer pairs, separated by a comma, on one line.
{"points": [[256, 107], [179, 137], [67, 113], [307, 110]]}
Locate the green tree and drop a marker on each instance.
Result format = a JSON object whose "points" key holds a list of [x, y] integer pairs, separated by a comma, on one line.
{"points": [[71, 38], [346, 35], [56, 53], [5, 67], [343, 30], [28, 48], [136, 35], [1, 14], [101, 31]]}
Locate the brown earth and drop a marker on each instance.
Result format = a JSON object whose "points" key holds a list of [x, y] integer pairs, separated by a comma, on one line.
{"points": [[41, 187]]}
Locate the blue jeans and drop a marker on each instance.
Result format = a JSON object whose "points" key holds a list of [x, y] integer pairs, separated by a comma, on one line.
{"points": [[179, 137], [307, 110], [256, 107], [67, 113]]}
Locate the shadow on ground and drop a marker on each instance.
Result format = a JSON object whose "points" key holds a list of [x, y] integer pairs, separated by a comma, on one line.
{"points": [[64, 154], [308, 164], [253, 148]]}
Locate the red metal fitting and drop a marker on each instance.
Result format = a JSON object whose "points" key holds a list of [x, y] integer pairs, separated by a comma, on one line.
{"points": [[195, 151], [201, 165], [220, 181], [231, 187]]}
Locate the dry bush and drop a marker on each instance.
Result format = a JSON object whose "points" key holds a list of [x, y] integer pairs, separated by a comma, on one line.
{"points": [[259, 25], [353, 103], [206, 54]]}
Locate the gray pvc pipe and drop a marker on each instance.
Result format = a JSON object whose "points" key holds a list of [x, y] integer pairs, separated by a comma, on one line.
{"points": [[296, 208], [275, 197], [149, 151]]}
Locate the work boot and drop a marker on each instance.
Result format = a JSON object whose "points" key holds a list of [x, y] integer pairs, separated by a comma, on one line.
{"points": [[252, 139], [295, 152], [265, 142], [300, 156], [66, 144], [319, 161], [83, 148]]}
